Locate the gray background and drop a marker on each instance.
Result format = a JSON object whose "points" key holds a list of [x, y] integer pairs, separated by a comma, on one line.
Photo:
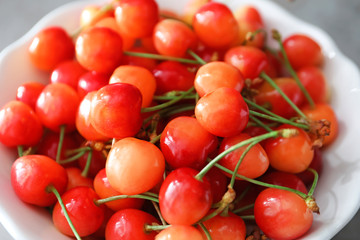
{"points": [[339, 18]]}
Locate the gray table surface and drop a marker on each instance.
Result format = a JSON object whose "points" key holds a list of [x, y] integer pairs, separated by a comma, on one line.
{"points": [[339, 18]]}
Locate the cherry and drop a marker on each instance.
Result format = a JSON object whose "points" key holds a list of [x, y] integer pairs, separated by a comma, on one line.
{"points": [[232, 112], [104, 190], [302, 51], [81, 207], [50, 47], [98, 160], [308, 177], [89, 15], [134, 166], [76, 179], [57, 105], [179, 232], [183, 199], [314, 82], [215, 25], [115, 110], [190, 9], [254, 164], [136, 18], [148, 63], [99, 49], [67, 72], [32, 174], [284, 179], [29, 92], [173, 38], [214, 75], [172, 76], [292, 154], [129, 224], [229, 226], [140, 77], [282, 214], [218, 182], [91, 81], [179, 146], [19, 125]]}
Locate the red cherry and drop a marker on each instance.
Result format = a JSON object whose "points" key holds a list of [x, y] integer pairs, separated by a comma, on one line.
{"points": [[285, 179], [218, 182], [308, 177], [31, 174], [91, 81], [314, 82], [179, 232], [50, 47], [75, 179], [98, 160], [85, 215], [183, 199], [19, 125], [29, 92], [67, 72]]}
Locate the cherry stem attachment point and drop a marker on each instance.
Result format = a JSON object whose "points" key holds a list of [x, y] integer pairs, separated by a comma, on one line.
{"points": [[52, 189], [61, 141], [160, 57], [20, 149]]}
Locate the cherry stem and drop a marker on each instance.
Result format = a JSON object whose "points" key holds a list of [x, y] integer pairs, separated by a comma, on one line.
{"points": [[114, 198], [213, 214], [251, 35], [260, 123], [52, 189], [169, 103], [282, 132], [301, 194], [233, 177], [277, 37], [248, 217], [157, 209], [196, 57], [160, 57], [287, 99], [172, 97], [20, 149], [313, 186], [86, 169], [73, 158], [77, 150], [207, 234], [149, 228], [236, 211], [155, 139], [61, 141]]}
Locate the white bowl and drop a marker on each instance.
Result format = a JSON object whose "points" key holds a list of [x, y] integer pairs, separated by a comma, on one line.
{"points": [[337, 194]]}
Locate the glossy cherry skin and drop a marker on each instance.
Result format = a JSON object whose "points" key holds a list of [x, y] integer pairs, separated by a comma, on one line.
{"points": [[317, 164], [183, 199], [314, 82], [104, 190], [173, 38], [217, 74], [190, 9], [172, 76], [85, 215], [225, 227], [129, 224], [292, 154], [218, 182], [76, 179], [302, 51], [115, 110], [179, 232], [140, 77], [185, 143], [67, 72], [215, 25], [31, 174], [91, 81], [83, 120], [134, 166], [289, 180], [136, 18], [50, 47], [222, 107], [57, 105], [254, 164], [19, 125], [29, 92], [268, 95], [99, 49], [282, 214]]}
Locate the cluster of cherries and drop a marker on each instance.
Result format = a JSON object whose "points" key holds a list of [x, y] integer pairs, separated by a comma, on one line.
{"points": [[160, 126]]}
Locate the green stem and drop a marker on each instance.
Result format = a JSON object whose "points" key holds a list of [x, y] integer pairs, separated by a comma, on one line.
{"points": [[161, 98], [260, 123], [73, 158], [160, 57], [313, 186], [77, 150], [301, 194], [285, 133], [169, 103], [155, 139], [208, 236], [61, 141], [277, 37], [196, 57], [151, 194], [85, 171], [20, 149], [248, 217], [264, 76], [157, 209], [52, 189], [243, 208], [149, 228], [213, 214], [113, 198]]}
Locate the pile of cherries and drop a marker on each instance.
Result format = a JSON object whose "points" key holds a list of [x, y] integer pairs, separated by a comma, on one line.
{"points": [[160, 126]]}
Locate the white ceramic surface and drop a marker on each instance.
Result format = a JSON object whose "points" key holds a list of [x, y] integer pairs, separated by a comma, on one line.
{"points": [[338, 194]]}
